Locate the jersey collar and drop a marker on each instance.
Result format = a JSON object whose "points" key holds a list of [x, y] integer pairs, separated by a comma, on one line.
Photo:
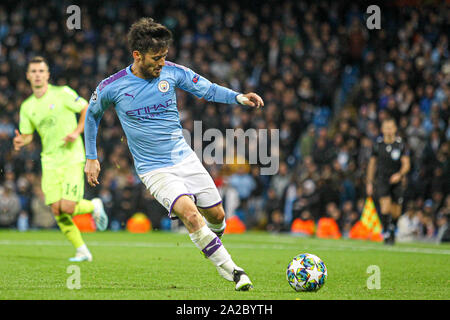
{"points": [[130, 72]]}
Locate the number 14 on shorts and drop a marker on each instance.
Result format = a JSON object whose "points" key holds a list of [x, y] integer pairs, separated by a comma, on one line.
{"points": [[70, 190]]}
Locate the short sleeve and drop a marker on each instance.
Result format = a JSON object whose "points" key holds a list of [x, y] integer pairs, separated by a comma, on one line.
{"points": [[72, 100], [404, 150], [99, 101], [25, 125], [374, 151]]}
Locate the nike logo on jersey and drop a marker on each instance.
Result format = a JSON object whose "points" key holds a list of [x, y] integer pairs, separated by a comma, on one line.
{"points": [[129, 95]]}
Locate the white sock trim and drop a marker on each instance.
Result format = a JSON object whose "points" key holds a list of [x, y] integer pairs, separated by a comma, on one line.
{"points": [[202, 237], [205, 240], [216, 227]]}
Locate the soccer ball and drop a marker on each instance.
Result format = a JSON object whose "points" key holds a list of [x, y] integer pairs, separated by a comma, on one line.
{"points": [[306, 272]]}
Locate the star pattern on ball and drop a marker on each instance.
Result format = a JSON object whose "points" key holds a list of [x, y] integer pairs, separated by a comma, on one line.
{"points": [[314, 274], [295, 265]]}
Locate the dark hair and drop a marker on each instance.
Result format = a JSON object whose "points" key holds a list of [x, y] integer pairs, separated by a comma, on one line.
{"points": [[389, 119], [146, 34], [38, 59]]}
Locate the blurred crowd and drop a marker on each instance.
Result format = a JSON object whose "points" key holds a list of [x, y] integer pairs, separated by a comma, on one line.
{"points": [[327, 82]]}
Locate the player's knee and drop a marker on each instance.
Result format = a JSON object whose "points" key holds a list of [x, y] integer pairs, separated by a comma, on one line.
{"points": [[192, 217], [67, 207], [220, 214], [396, 210], [385, 206], [56, 208], [214, 215]]}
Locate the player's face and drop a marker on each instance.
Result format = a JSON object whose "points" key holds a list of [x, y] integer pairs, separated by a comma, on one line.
{"points": [[152, 63], [389, 129], [38, 74]]}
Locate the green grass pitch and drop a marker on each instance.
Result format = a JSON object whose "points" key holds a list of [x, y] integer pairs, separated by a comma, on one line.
{"points": [[167, 266]]}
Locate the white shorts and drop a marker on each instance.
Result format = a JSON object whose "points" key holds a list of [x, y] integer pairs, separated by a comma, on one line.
{"points": [[188, 177]]}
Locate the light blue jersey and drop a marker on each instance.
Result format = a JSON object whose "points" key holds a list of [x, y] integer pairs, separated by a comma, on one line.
{"points": [[147, 110]]}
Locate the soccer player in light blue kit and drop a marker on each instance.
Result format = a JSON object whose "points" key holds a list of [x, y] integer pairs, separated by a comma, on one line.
{"points": [[144, 97]]}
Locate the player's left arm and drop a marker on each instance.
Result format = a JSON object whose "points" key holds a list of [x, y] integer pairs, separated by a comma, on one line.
{"points": [[71, 137], [203, 88], [99, 102], [77, 104], [250, 99], [404, 169]]}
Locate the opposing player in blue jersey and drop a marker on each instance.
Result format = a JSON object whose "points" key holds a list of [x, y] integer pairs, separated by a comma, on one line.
{"points": [[145, 101]]}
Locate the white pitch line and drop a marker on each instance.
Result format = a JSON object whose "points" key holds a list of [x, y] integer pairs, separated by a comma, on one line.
{"points": [[229, 245]]}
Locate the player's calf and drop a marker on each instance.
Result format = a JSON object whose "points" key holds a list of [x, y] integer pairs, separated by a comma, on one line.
{"points": [[218, 228], [215, 219], [55, 209], [213, 249], [67, 206], [206, 240]]}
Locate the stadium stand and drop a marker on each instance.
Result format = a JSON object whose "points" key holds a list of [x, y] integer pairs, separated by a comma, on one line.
{"points": [[327, 82]]}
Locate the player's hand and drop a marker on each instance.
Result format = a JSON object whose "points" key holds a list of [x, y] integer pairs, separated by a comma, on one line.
{"points": [[251, 99], [71, 137], [18, 141], [369, 189], [395, 178], [92, 170]]}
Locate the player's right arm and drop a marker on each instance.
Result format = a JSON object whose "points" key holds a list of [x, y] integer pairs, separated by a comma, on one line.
{"points": [[370, 175], [26, 127], [98, 103], [21, 140], [371, 170]]}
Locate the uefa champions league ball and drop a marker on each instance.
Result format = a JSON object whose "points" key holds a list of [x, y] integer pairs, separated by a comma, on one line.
{"points": [[306, 272]]}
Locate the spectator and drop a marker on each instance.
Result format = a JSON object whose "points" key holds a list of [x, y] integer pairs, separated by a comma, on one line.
{"points": [[408, 225], [243, 183], [230, 198], [426, 225], [298, 68], [256, 199], [42, 216], [307, 142], [443, 233], [280, 181], [349, 217], [9, 205], [276, 222]]}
